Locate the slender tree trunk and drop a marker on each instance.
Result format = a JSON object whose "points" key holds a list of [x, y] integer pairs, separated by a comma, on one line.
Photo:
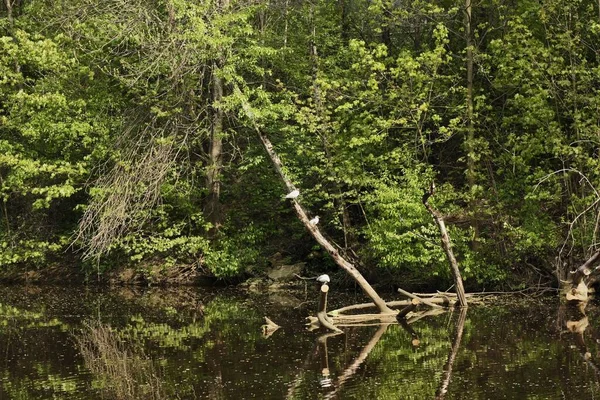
{"points": [[286, 23], [5, 208], [447, 245], [212, 205], [9, 13], [344, 5], [470, 139], [314, 60], [470, 127], [314, 231], [11, 6]]}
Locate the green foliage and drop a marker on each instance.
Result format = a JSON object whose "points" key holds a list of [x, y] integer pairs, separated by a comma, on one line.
{"points": [[108, 114]]}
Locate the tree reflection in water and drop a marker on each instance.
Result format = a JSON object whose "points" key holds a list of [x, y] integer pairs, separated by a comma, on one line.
{"points": [[156, 344], [576, 322], [122, 370], [336, 384]]}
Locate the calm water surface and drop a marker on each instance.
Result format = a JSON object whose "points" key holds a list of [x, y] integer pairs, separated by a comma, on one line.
{"points": [[86, 343]]}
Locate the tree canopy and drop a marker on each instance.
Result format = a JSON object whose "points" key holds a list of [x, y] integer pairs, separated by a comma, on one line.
{"points": [[125, 136]]}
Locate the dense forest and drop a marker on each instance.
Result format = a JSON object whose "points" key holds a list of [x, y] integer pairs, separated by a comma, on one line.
{"points": [[128, 135]]}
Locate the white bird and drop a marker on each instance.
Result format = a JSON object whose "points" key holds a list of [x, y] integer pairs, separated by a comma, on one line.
{"points": [[293, 194], [323, 278], [314, 221]]}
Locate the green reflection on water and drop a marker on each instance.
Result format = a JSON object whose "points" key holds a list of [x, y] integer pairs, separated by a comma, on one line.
{"points": [[198, 344]]}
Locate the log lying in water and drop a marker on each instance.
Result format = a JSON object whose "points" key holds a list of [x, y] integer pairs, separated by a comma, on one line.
{"points": [[408, 309], [424, 301]]}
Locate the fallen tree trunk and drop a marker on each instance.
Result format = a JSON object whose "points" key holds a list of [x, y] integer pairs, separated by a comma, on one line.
{"points": [[316, 233], [409, 308], [412, 296], [446, 244]]}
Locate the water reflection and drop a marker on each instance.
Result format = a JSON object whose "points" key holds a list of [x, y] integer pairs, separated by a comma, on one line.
{"points": [[198, 344], [121, 369], [576, 323], [447, 376]]}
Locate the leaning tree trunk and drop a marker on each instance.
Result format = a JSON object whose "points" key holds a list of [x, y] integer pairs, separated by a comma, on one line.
{"points": [[447, 245], [314, 231]]}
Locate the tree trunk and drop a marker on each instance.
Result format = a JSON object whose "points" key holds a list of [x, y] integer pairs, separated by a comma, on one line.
{"points": [[9, 13], [212, 209], [212, 205], [340, 203], [470, 139], [11, 9], [470, 128], [314, 231], [447, 245]]}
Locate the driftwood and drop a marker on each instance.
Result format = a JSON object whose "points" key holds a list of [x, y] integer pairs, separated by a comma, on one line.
{"points": [[437, 301], [447, 245], [440, 300], [424, 301]]}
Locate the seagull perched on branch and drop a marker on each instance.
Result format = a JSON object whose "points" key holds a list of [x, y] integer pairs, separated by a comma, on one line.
{"points": [[323, 278], [293, 194], [314, 221]]}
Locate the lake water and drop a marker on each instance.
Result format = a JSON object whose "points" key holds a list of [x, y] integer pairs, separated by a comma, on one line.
{"points": [[194, 343]]}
